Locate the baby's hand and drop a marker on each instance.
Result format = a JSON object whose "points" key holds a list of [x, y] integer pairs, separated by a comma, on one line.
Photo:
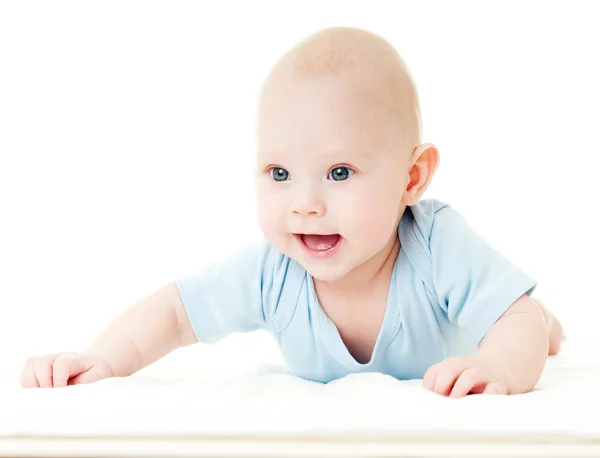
{"points": [[458, 376], [62, 369]]}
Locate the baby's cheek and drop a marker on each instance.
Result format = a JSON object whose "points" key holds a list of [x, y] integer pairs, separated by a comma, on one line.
{"points": [[266, 222], [269, 220], [374, 217]]}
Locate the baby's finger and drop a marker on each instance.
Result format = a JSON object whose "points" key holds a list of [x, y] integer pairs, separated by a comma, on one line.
{"points": [[467, 381], [430, 376], [43, 370], [28, 378], [64, 367], [494, 388], [446, 378]]}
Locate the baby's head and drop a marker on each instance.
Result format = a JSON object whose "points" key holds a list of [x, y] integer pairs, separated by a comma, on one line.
{"points": [[339, 151]]}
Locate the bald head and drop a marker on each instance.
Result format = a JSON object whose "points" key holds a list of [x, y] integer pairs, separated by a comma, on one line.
{"points": [[372, 66]]}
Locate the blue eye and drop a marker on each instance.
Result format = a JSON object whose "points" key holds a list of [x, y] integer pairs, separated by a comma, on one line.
{"points": [[279, 174], [340, 173]]}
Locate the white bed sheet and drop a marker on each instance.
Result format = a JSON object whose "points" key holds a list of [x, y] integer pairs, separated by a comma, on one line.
{"points": [[265, 407]]}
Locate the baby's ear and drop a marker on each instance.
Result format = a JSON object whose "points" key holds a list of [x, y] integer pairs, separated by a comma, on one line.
{"points": [[425, 161]]}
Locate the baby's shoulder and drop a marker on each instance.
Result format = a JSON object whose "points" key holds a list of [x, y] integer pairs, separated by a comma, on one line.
{"points": [[427, 214], [428, 209]]}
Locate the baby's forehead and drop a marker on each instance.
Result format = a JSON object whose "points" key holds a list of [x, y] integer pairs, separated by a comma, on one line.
{"points": [[318, 156]]}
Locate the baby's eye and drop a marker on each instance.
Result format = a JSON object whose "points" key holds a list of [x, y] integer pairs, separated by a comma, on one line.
{"points": [[279, 174], [340, 173]]}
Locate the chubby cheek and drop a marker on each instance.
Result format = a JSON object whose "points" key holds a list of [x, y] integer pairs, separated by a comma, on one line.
{"points": [[372, 219], [270, 220]]}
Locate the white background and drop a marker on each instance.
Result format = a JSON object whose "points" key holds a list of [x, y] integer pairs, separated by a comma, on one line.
{"points": [[126, 142]]}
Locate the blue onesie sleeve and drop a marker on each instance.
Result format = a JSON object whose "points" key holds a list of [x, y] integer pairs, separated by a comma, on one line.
{"points": [[228, 296], [474, 283]]}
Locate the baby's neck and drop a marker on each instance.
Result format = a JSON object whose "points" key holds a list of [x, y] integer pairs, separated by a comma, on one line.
{"points": [[375, 272]]}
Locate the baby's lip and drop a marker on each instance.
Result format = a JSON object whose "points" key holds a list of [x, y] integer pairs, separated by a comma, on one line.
{"points": [[300, 234]]}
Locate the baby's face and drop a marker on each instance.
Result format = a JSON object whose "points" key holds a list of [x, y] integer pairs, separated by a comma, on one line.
{"points": [[332, 169]]}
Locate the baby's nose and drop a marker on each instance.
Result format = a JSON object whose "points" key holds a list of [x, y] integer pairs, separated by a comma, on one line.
{"points": [[309, 204]]}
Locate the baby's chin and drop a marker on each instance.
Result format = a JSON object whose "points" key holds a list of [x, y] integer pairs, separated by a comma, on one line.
{"points": [[325, 274], [325, 271]]}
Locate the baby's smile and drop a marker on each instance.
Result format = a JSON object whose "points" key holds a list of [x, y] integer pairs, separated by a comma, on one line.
{"points": [[319, 246]]}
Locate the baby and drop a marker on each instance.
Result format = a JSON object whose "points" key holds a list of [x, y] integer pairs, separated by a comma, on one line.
{"points": [[356, 272]]}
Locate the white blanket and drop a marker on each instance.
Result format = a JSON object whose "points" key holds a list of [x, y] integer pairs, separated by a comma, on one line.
{"points": [[268, 403]]}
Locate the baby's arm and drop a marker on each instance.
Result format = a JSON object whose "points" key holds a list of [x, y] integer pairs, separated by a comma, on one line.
{"points": [[141, 335], [145, 332], [518, 345], [208, 305], [510, 358]]}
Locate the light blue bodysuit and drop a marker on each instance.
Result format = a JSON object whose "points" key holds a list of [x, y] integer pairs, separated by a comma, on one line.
{"points": [[448, 287]]}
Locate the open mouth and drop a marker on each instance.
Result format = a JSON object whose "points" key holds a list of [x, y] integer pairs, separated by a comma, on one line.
{"points": [[319, 245]]}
